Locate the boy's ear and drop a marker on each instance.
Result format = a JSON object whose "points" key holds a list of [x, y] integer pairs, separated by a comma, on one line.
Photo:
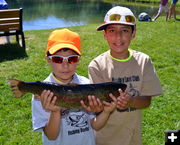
{"points": [[134, 32], [47, 59], [104, 34]]}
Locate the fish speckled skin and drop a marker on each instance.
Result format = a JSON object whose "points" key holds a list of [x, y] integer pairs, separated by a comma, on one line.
{"points": [[69, 95]]}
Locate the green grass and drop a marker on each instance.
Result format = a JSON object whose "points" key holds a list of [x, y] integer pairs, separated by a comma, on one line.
{"points": [[160, 40]]}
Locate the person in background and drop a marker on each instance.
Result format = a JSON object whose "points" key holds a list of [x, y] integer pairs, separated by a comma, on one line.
{"points": [[62, 126], [122, 64], [162, 7], [172, 9], [3, 5]]}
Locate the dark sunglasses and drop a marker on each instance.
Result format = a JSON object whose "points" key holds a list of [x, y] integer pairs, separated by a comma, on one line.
{"points": [[59, 59], [117, 17]]}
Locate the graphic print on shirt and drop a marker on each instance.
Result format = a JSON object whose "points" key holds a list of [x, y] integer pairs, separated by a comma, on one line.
{"points": [[132, 91], [77, 122]]}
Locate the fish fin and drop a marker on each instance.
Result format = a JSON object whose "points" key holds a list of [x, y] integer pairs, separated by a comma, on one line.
{"points": [[14, 84]]}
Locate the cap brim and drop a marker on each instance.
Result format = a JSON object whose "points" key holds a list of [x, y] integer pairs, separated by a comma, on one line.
{"points": [[58, 47], [103, 26]]}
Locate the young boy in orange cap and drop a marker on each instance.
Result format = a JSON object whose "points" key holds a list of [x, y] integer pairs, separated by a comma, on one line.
{"points": [[124, 65], [61, 126]]}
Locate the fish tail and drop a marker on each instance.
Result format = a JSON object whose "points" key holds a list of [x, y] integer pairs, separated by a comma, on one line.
{"points": [[14, 84]]}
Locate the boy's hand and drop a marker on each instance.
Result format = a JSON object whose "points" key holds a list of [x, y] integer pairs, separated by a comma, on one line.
{"points": [[48, 101], [123, 100], [95, 105], [110, 107]]}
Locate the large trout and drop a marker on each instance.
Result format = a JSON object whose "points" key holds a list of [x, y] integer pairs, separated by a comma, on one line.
{"points": [[69, 95]]}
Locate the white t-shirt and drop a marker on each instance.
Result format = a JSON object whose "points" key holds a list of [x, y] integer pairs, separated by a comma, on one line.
{"points": [[75, 124]]}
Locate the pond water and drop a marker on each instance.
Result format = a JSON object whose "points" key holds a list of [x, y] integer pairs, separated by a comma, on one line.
{"points": [[47, 14]]}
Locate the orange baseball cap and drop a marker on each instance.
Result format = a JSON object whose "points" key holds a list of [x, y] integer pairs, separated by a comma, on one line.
{"points": [[63, 38]]}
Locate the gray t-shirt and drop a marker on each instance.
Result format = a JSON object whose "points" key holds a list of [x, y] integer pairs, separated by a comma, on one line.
{"points": [[139, 74]]}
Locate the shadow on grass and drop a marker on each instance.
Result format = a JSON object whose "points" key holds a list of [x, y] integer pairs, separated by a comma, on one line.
{"points": [[11, 51]]}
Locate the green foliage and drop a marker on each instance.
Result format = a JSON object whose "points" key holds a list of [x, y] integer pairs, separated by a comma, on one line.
{"points": [[159, 39]]}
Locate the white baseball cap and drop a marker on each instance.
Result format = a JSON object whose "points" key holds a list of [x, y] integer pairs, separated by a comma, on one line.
{"points": [[118, 15]]}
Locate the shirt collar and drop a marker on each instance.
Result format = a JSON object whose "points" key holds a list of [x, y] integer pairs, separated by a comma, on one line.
{"points": [[74, 80]]}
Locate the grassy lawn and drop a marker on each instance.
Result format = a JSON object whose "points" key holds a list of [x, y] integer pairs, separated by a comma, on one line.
{"points": [[159, 39]]}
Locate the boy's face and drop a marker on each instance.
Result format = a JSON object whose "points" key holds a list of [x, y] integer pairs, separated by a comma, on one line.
{"points": [[118, 37], [63, 71]]}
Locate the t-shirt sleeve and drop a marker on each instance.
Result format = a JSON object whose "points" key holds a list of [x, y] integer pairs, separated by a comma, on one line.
{"points": [[94, 73], [39, 115], [151, 84], [91, 115]]}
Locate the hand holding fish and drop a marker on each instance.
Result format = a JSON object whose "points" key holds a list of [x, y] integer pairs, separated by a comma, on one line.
{"points": [[123, 101], [110, 106], [48, 101], [95, 104], [103, 116]]}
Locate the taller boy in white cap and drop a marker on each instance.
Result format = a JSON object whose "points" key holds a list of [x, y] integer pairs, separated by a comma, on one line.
{"points": [[126, 66]]}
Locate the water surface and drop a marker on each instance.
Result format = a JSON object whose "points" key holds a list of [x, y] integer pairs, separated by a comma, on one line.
{"points": [[38, 14]]}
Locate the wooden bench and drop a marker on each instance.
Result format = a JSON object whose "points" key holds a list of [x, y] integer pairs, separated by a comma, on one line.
{"points": [[11, 24]]}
